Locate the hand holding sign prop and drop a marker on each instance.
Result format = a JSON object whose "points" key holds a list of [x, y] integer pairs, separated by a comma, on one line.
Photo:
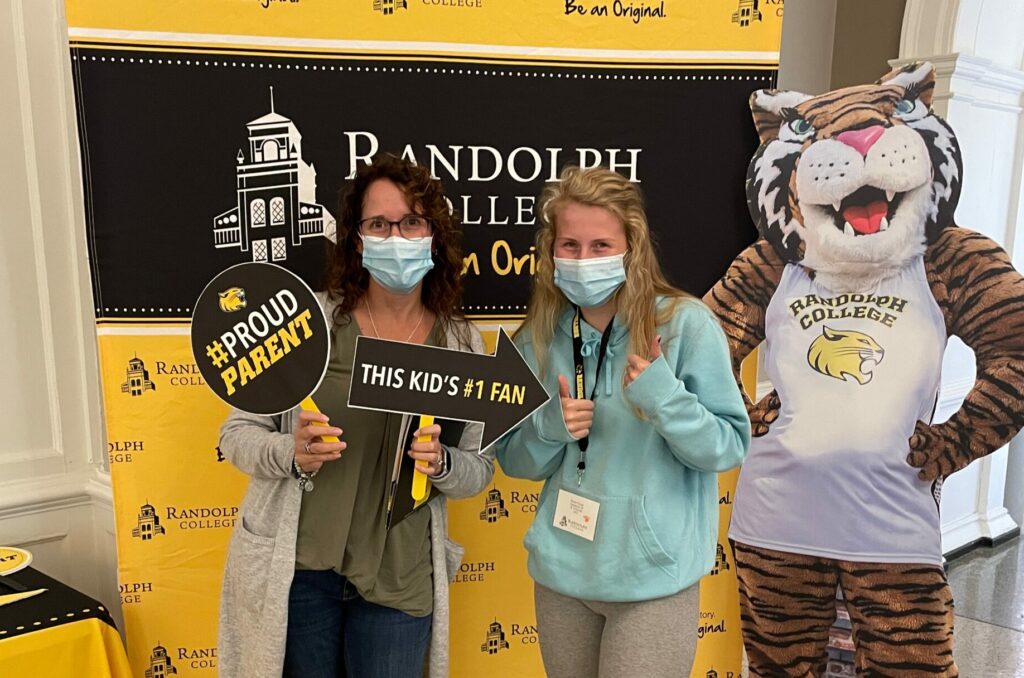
{"points": [[420, 486], [261, 340], [498, 391]]}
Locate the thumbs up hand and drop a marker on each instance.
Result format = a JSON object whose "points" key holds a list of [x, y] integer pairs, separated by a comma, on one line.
{"points": [[635, 365], [577, 412]]}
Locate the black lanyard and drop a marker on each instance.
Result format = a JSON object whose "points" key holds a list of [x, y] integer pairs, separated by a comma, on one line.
{"points": [[577, 358]]}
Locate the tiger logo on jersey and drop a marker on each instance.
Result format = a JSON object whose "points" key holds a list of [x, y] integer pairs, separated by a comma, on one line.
{"points": [[232, 299], [845, 355]]}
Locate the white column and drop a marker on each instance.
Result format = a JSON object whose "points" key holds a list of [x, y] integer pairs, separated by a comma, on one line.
{"points": [[977, 48], [54, 495], [808, 32]]}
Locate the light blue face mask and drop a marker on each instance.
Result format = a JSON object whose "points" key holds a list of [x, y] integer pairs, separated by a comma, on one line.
{"points": [[590, 282], [398, 264]]}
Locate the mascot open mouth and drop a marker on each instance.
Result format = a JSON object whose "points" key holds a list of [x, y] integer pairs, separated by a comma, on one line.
{"points": [[866, 211], [870, 360]]}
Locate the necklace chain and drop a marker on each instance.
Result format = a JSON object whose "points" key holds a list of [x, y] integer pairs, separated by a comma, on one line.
{"points": [[376, 332]]}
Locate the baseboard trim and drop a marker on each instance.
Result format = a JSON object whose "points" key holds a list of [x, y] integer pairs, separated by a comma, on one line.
{"points": [[978, 528], [986, 542]]}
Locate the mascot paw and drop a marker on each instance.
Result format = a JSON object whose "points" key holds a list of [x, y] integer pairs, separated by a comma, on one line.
{"points": [[764, 414], [930, 453]]}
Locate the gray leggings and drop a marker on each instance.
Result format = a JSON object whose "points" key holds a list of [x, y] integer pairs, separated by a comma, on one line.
{"points": [[586, 639]]}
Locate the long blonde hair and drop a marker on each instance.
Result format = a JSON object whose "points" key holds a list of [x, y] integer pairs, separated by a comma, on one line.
{"points": [[636, 300]]}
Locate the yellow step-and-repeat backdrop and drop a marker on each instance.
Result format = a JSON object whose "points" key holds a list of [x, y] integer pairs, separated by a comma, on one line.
{"points": [[289, 96]]}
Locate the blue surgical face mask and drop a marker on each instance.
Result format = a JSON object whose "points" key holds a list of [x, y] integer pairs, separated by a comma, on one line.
{"points": [[590, 282], [398, 264]]}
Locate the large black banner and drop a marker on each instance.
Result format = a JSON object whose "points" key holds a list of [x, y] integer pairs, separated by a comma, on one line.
{"points": [[207, 160]]}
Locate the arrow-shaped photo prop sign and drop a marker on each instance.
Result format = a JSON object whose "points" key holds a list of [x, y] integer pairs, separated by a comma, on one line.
{"points": [[260, 338], [498, 391]]}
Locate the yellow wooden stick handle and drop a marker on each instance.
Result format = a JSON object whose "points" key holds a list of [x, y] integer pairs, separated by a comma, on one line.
{"points": [[308, 404], [420, 482]]}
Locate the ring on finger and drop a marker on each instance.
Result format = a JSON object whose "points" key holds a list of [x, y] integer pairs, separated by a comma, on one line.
{"points": [[308, 451]]}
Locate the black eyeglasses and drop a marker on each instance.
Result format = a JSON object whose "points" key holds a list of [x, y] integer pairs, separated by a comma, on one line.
{"points": [[410, 226]]}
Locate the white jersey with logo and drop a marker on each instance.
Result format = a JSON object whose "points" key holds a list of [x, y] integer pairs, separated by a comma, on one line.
{"points": [[854, 373]]}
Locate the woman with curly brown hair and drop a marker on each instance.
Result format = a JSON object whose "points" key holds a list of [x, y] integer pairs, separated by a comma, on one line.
{"points": [[316, 585]]}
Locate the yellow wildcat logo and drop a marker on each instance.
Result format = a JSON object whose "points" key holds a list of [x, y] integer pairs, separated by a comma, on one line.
{"points": [[845, 355], [232, 299]]}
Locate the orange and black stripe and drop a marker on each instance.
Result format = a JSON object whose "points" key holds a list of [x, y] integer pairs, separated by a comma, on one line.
{"points": [[902, 615]]}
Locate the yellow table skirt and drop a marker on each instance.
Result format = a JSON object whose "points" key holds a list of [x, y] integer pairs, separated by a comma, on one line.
{"points": [[89, 647]]}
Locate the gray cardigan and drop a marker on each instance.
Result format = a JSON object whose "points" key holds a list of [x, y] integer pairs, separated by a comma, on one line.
{"points": [[261, 554]]}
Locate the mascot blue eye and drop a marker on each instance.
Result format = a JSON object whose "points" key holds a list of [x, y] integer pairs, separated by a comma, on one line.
{"points": [[800, 126], [904, 106]]}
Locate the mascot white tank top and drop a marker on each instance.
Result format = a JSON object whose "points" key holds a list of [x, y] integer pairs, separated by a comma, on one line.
{"points": [[854, 373]]}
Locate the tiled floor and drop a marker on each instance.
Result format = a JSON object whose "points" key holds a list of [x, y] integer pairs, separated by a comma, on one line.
{"points": [[988, 589]]}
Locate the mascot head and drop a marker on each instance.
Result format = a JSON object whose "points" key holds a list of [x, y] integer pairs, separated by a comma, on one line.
{"points": [[854, 183]]}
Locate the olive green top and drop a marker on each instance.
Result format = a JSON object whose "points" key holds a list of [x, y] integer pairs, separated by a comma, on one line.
{"points": [[342, 521]]}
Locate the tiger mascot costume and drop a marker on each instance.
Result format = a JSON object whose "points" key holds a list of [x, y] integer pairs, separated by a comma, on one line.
{"points": [[859, 279]]}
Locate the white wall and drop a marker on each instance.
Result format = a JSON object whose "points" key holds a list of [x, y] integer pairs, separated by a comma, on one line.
{"points": [[55, 498], [977, 47]]}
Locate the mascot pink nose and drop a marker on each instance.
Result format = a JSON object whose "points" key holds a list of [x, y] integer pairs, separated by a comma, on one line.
{"points": [[862, 139]]}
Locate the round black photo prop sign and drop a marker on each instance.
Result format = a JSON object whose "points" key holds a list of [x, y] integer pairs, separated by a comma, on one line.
{"points": [[260, 338]]}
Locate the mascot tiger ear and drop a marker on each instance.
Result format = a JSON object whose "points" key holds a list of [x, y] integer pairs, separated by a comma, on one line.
{"points": [[917, 80], [771, 108], [829, 334]]}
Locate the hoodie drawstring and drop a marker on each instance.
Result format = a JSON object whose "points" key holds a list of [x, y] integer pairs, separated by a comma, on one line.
{"points": [[589, 348]]}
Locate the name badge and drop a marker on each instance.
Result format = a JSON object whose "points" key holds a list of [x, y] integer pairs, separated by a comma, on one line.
{"points": [[576, 515]]}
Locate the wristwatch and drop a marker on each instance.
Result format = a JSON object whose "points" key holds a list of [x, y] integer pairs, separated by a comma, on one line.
{"points": [[445, 464]]}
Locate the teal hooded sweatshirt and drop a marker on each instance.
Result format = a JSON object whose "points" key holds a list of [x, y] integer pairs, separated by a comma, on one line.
{"points": [[654, 477]]}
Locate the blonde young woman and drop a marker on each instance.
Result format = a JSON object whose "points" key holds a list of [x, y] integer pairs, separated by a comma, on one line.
{"points": [[645, 412]]}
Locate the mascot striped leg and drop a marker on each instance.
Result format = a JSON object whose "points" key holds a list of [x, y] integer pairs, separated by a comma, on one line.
{"points": [[787, 604], [902, 615]]}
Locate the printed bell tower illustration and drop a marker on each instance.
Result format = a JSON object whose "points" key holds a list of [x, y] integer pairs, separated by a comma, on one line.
{"points": [[746, 12], [137, 379], [494, 508], [275, 191], [148, 523], [160, 664], [495, 639], [387, 7], [721, 561]]}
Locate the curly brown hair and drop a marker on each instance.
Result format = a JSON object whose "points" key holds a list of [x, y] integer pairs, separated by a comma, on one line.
{"points": [[346, 279]]}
